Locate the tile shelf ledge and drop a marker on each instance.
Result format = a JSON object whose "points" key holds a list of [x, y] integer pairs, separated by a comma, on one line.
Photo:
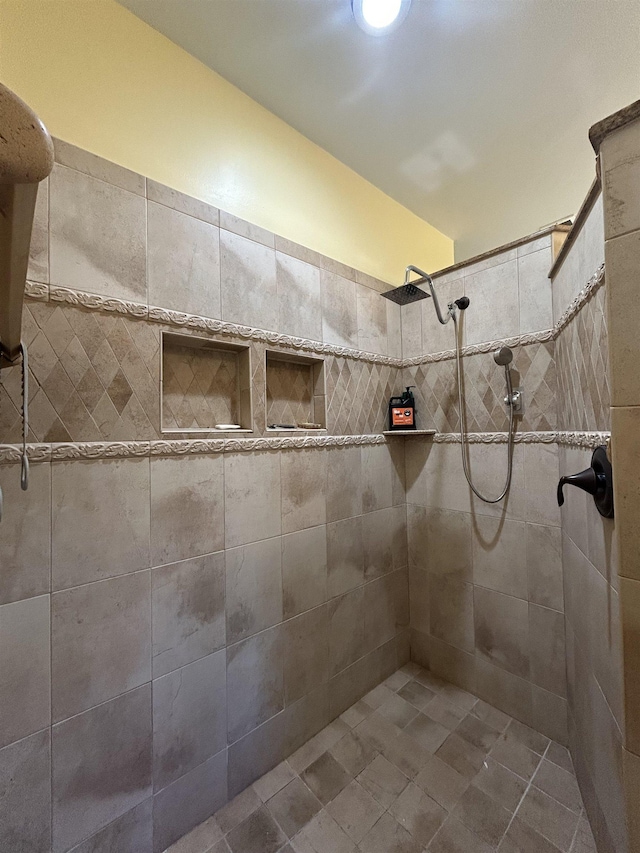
{"points": [[406, 433]]}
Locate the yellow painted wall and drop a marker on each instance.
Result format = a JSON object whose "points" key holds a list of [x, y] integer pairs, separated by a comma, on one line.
{"points": [[102, 79]]}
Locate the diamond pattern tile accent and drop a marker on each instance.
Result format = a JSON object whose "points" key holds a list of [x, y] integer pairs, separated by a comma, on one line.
{"points": [[289, 392], [484, 386], [93, 377], [584, 390], [358, 395], [200, 387]]}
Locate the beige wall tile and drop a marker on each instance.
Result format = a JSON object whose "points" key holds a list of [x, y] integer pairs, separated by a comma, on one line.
{"points": [[256, 753], [190, 800], [92, 755], [549, 714], [420, 603], [248, 282], [394, 330], [435, 477], [544, 566], [452, 664], [574, 510], [39, 250], [188, 607], [253, 588], [344, 483], [346, 630], [582, 261], [100, 642], [437, 337], [620, 164], [295, 250], [451, 606], [622, 259], [25, 672], [25, 780], [100, 520], [189, 717], [187, 507], [547, 649], [630, 611], [488, 466], [440, 542], [168, 197], [411, 325], [306, 718], [502, 631], [384, 538], [97, 167], [602, 544], [304, 570], [631, 771], [252, 497], [541, 479], [382, 476], [345, 556], [299, 298], [25, 533], [306, 655], [486, 289], [382, 611], [503, 690], [304, 475], [339, 312], [535, 245], [499, 558], [255, 685], [97, 236], [247, 229], [534, 287], [626, 482], [372, 320], [183, 262]]}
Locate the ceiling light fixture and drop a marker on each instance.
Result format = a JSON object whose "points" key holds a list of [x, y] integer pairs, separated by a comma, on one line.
{"points": [[379, 17]]}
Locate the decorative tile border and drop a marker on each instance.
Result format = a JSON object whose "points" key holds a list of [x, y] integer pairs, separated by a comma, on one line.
{"points": [[43, 292], [496, 437], [595, 282], [92, 450], [567, 439], [178, 319], [485, 347], [131, 449], [587, 440]]}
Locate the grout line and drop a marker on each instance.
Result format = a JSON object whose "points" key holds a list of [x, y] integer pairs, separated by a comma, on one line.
{"points": [[527, 789]]}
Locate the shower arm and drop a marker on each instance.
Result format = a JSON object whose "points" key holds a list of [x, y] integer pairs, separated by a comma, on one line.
{"points": [[425, 278]]}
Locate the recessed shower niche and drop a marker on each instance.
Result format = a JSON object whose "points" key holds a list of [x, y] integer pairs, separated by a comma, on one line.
{"points": [[295, 390], [204, 383]]}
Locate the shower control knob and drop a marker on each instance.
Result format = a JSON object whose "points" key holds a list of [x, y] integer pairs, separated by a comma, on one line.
{"points": [[596, 480]]}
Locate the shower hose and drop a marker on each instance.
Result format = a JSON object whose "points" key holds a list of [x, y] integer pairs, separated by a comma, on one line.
{"points": [[463, 428]]}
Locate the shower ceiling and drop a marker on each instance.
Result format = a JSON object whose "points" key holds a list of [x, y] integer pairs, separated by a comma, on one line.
{"points": [[474, 113]]}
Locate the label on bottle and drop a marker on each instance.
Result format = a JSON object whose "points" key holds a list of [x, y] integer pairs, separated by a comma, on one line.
{"points": [[402, 417]]}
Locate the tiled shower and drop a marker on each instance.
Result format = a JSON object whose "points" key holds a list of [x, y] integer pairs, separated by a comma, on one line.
{"points": [[182, 609]]}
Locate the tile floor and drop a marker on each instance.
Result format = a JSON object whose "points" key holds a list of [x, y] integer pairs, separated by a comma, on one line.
{"points": [[417, 765]]}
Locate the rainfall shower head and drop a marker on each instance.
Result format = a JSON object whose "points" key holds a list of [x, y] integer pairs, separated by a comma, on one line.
{"points": [[406, 294], [503, 356]]}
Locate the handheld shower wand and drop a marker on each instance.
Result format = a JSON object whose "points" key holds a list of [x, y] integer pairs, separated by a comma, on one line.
{"points": [[502, 357]]}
